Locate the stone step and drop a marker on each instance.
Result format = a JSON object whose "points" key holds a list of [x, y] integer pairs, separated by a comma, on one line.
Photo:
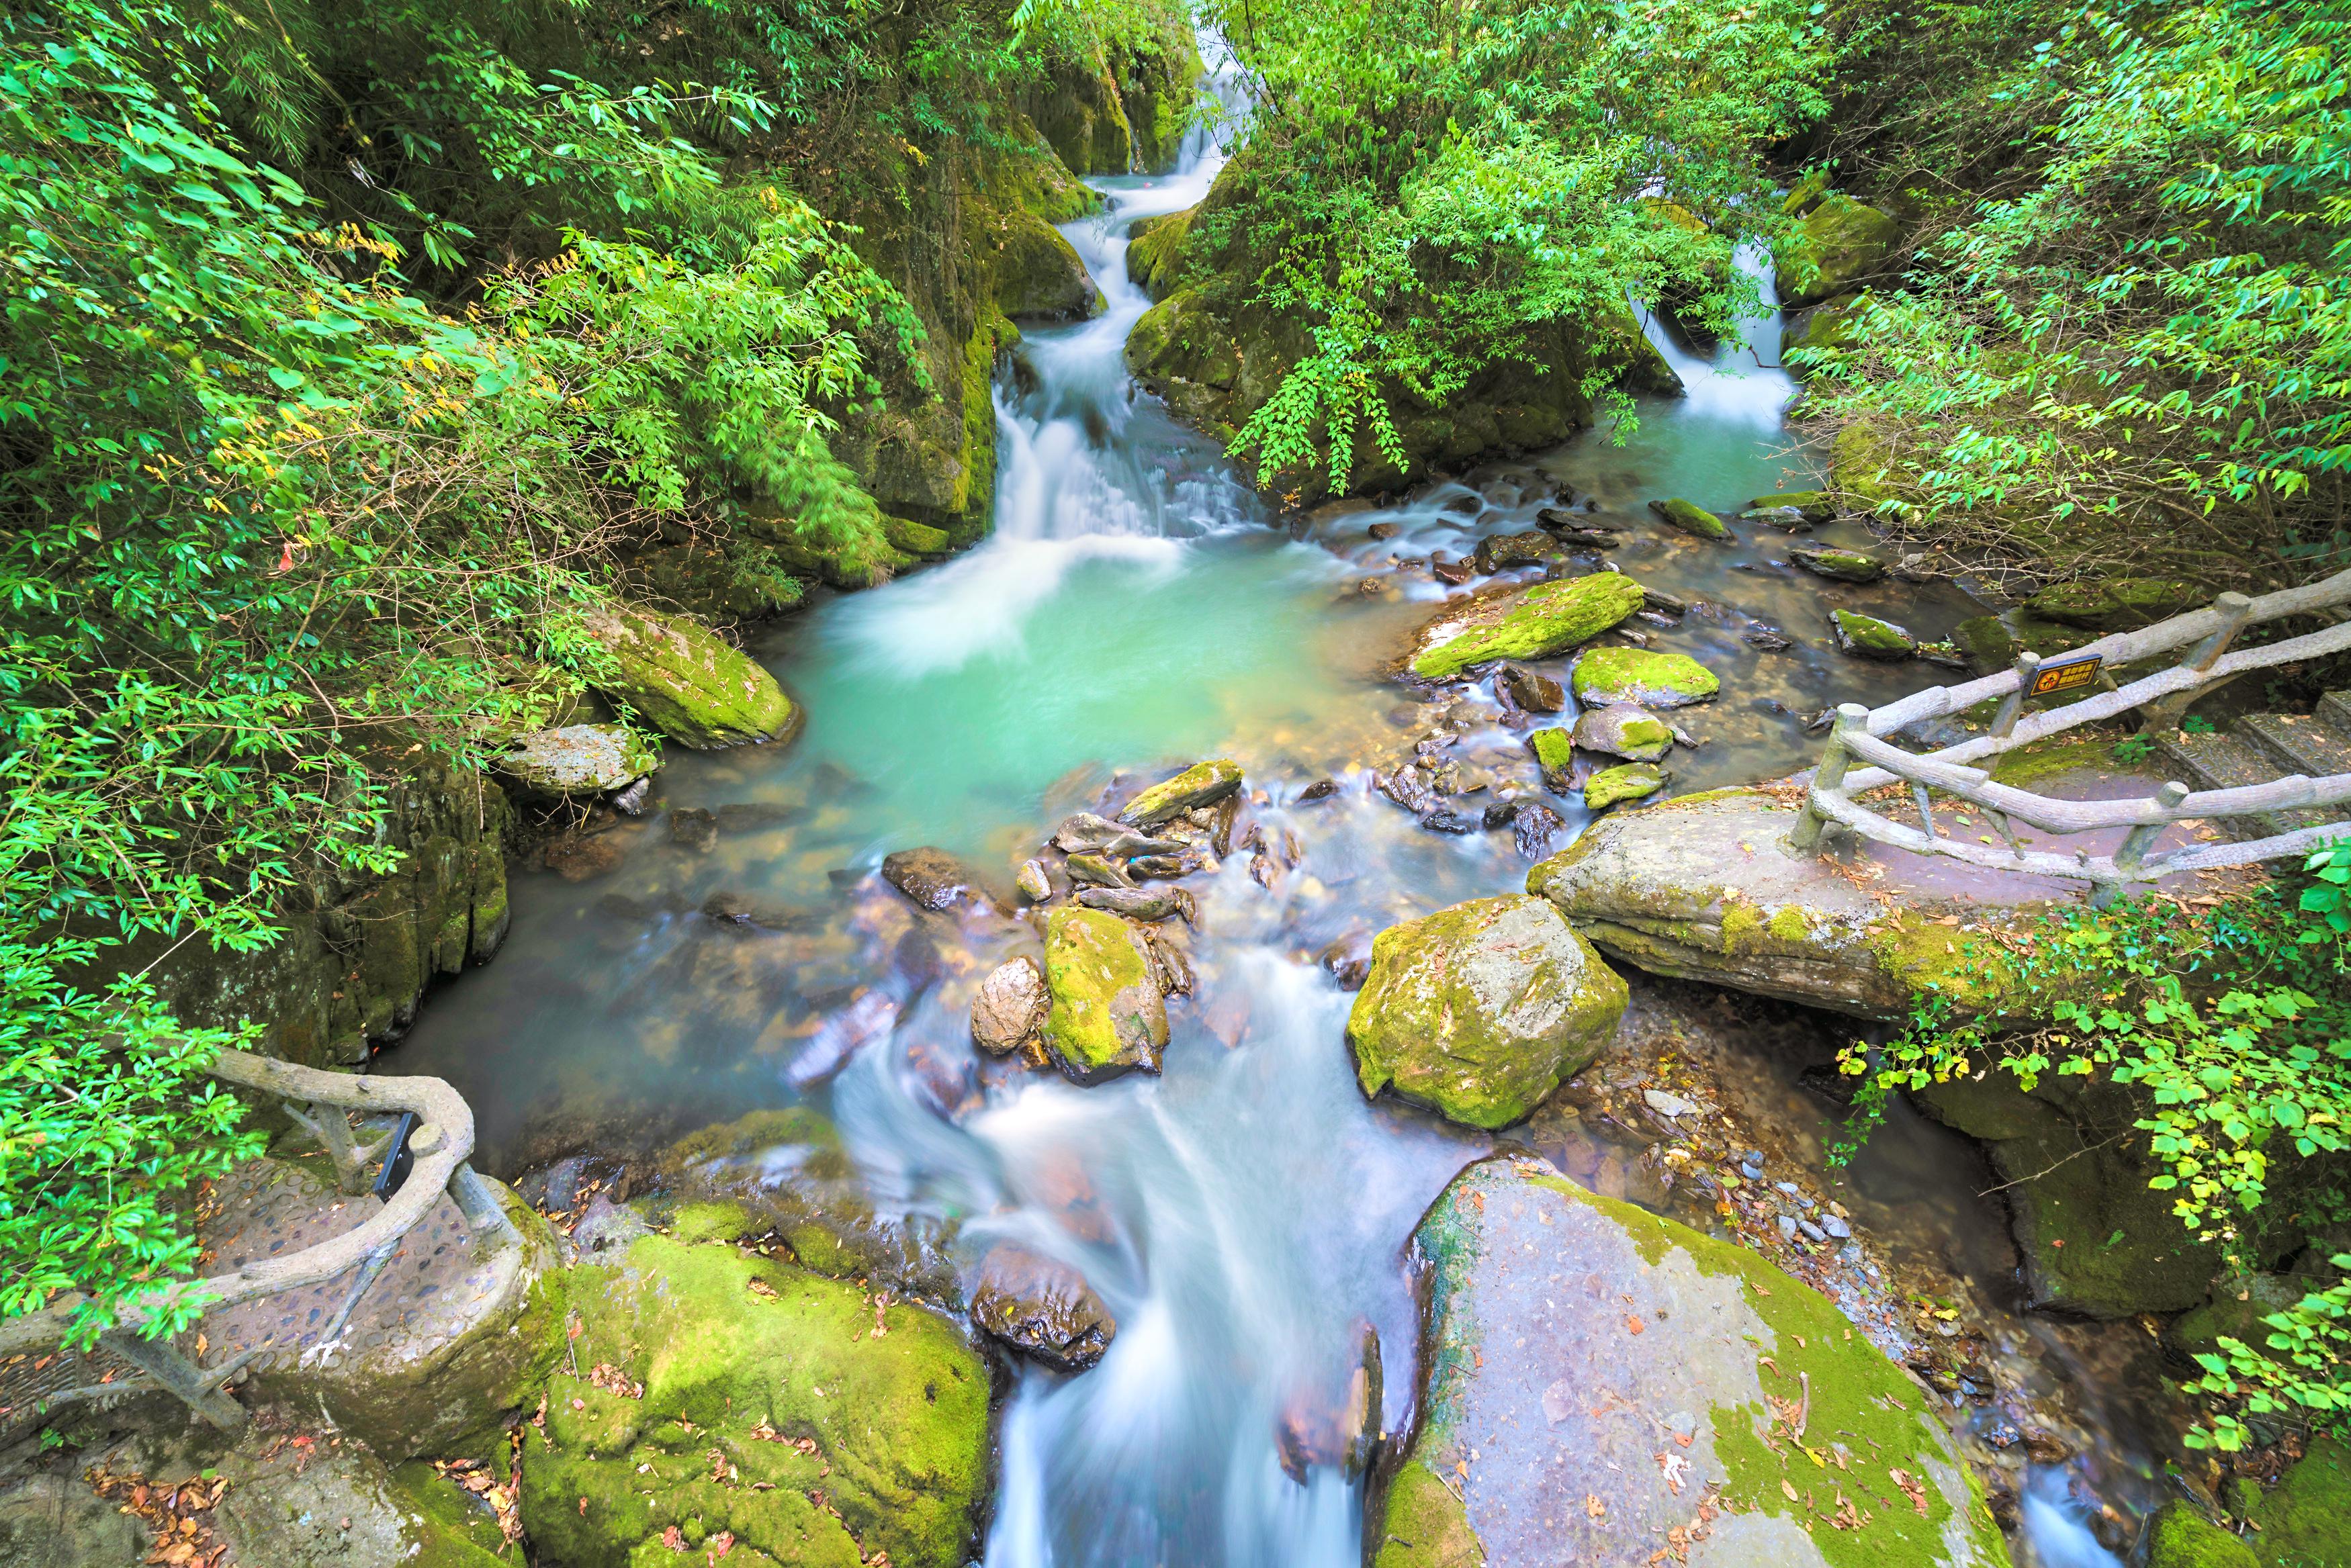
{"points": [[2214, 761], [2298, 743], [2334, 712]]}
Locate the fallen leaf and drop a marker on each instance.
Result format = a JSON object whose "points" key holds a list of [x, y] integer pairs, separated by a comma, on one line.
{"points": [[1632, 1323], [1789, 1487], [1593, 1506]]}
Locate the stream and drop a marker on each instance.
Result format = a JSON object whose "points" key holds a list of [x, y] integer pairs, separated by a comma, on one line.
{"points": [[1138, 608]]}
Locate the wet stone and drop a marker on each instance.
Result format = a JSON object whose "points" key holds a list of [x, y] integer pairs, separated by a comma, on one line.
{"points": [[1536, 829], [580, 856], [1034, 884], [1097, 871], [1139, 903], [691, 827], [1041, 1307], [1320, 789], [1530, 690], [1009, 1011], [931, 878]]}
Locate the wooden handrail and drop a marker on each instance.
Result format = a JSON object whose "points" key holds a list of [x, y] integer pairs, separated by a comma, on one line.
{"points": [[441, 1146], [1856, 738]]}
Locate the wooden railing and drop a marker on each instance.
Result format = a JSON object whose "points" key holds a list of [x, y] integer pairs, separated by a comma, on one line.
{"points": [[1858, 759], [442, 1145]]}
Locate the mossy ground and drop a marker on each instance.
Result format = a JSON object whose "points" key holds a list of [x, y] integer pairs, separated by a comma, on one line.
{"points": [[2182, 1538], [2306, 1519], [810, 1421], [1424, 1525]]}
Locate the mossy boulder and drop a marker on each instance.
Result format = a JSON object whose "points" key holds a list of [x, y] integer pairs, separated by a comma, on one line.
{"points": [[1532, 622], [713, 1392], [1839, 243], [1202, 784], [1690, 518], [1598, 1375], [2180, 1537], [1822, 329], [1645, 680], [1629, 781], [2096, 1242], [689, 683], [1623, 730], [1705, 887], [1870, 637], [915, 538], [1037, 275], [2306, 1519], [1842, 566], [1155, 252], [1108, 1016], [579, 760], [1554, 752], [1862, 466], [2116, 604], [1813, 506], [1480, 1011]]}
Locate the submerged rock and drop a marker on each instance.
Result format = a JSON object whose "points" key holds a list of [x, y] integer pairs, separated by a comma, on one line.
{"points": [[1632, 780], [1844, 565], [1644, 679], [1690, 518], [1202, 784], [1009, 1011], [1041, 1307], [1532, 622], [1871, 637], [689, 683], [691, 827], [932, 878], [1480, 1011], [1530, 690], [1623, 730], [803, 1386], [579, 760], [1602, 1379], [1108, 1015]]}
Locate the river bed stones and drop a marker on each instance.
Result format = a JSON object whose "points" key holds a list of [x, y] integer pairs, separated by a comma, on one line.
{"points": [[1504, 552], [1606, 1386], [1840, 566], [1623, 730], [1812, 505], [804, 1385], [1041, 1307], [1641, 678], [1202, 784], [1010, 1010], [1086, 834], [1036, 884], [1631, 780], [579, 760], [1108, 1015], [687, 683], [1529, 691], [1140, 903], [1532, 622], [1480, 1011]]}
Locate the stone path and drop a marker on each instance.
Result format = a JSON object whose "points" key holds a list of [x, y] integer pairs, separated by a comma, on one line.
{"points": [[2260, 747]]}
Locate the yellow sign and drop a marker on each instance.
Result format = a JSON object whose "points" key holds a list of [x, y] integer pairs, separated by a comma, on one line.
{"points": [[2065, 677]]}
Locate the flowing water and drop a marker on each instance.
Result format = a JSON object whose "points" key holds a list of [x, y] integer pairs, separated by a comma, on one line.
{"points": [[1244, 1214]]}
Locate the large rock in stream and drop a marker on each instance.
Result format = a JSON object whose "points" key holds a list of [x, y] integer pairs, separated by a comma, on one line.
{"points": [[711, 1391], [687, 683], [1607, 1388], [1706, 887], [1480, 1011], [1108, 1015], [1532, 622]]}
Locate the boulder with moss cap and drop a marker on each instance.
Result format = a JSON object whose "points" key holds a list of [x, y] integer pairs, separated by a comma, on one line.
{"points": [[1108, 1016], [1532, 622], [1837, 245], [1568, 1427], [837, 1441], [1480, 1011], [689, 683], [1202, 784], [1631, 780], [1867, 636], [579, 760], [1622, 729], [1690, 518], [1842, 566], [1644, 679]]}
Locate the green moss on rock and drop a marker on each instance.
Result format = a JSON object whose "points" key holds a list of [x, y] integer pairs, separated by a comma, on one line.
{"points": [[1691, 518], [1870, 637], [1837, 244], [1632, 780], [1155, 252], [1424, 1525], [1202, 784], [1644, 679], [1815, 504], [1108, 1015], [740, 1358], [2180, 1537], [2306, 1519], [1532, 622], [1480, 1011], [915, 538], [2116, 604], [687, 683]]}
